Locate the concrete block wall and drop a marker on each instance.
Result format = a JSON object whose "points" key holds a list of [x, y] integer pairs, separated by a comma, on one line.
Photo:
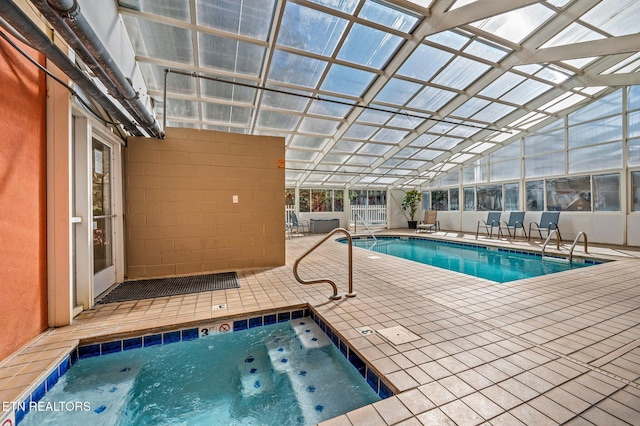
{"points": [[180, 215]]}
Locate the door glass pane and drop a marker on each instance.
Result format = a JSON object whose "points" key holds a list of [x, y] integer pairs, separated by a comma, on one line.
{"points": [[101, 189]]}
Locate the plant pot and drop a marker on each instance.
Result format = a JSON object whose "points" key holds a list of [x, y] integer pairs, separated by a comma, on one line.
{"points": [[413, 224]]}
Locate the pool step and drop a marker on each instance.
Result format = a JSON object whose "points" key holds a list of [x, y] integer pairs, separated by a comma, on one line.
{"points": [[310, 335], [287, 354], [255, 375]]}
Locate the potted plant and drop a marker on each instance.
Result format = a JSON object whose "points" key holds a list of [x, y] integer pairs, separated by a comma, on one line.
{"points": [[410, 204]]}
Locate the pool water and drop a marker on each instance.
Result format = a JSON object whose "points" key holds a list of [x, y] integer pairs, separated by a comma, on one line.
{"points": [[281, 374], [499, 265]]}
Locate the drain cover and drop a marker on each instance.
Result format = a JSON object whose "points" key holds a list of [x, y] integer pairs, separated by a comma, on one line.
{"points": [[398, 335]]}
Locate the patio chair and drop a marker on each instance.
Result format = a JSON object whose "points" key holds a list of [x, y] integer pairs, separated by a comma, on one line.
{"points": [[516, 220], [548, 222], [430, 222], [493, 220], [299, 224]]}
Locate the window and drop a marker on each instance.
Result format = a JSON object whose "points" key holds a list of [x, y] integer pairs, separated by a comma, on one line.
{"points": [[426, 200], [535, 195], [512, 196], [305, 198], [290, 197], [440, 199], [321, 200], [454, 203], [338, 201], [469, 199], [569, 194], [606, 193], [635, 191], [489, 198]]}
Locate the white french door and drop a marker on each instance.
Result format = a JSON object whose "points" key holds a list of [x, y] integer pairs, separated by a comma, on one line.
{"points": [[103, 217]]}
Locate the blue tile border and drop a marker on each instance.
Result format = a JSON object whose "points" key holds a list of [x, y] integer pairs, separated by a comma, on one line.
{"points": [[192, 333]]}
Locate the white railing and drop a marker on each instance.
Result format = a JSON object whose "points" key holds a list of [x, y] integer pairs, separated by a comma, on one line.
{"points": [[371, 215], [288, 210]]}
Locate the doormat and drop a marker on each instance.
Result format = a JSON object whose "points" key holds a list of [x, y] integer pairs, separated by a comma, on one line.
{"points": [[161, 287]]}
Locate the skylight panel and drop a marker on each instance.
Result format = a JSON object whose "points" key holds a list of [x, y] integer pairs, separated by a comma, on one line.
{"points": [[360, 131], [227, 113], [426, 154], [334, 157], [525, 92], [479, 147], [516, 25], [250, 18], [424, 140], [389, 135], [451, 39], [412, 164], [375, 53], [284, 101], [227, 54], [574, 33], [502, 85], [562, 102], [347, 81], [470, 107], [493, 112], [386, 180], [374, 149], [226, 91], [347, 6], [406, 152], [295, 69], [361, 160], [460, 3], [347, 146], [424, 62], [329, 109], [485, 50], [176, 83], [294, 154], [169, 9], [431, 99], [617, 17], [311, 142], [388, 16], [460, 73], [579, 63], [445, 143], [461, 158], [552, 75], [160, 41], [318, 126], [182, 108], [374, 116], [277, 120], [405, 122], [629, 65], [301, 28], [398, 91]]}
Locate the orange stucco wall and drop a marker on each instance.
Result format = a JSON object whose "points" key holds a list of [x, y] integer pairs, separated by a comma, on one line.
{"points": [[23, 287]]}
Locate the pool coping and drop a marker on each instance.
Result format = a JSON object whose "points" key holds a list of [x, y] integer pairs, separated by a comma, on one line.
{"points": [[109, 343]]}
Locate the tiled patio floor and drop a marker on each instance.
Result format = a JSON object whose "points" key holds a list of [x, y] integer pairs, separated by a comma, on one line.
{"points": [[556, 349]]}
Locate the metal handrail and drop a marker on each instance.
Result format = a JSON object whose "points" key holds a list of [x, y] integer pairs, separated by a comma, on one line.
{"points": [[583, 234], [335, 295], [544, 246], [365, 225]]}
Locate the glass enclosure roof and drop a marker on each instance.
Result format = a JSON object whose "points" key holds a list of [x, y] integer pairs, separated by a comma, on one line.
{"points": [[384, 94]]}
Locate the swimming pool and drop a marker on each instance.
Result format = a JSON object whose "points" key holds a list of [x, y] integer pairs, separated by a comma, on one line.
{"points": [[491, 263], [287, 373]]}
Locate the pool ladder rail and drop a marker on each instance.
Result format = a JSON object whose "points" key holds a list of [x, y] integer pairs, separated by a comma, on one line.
{"points": [[335, 295], [573, 246]]}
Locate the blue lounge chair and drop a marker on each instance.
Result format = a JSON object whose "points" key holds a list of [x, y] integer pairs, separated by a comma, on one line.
{"points": [[548, 222], [493, 220], [516, 220]]}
